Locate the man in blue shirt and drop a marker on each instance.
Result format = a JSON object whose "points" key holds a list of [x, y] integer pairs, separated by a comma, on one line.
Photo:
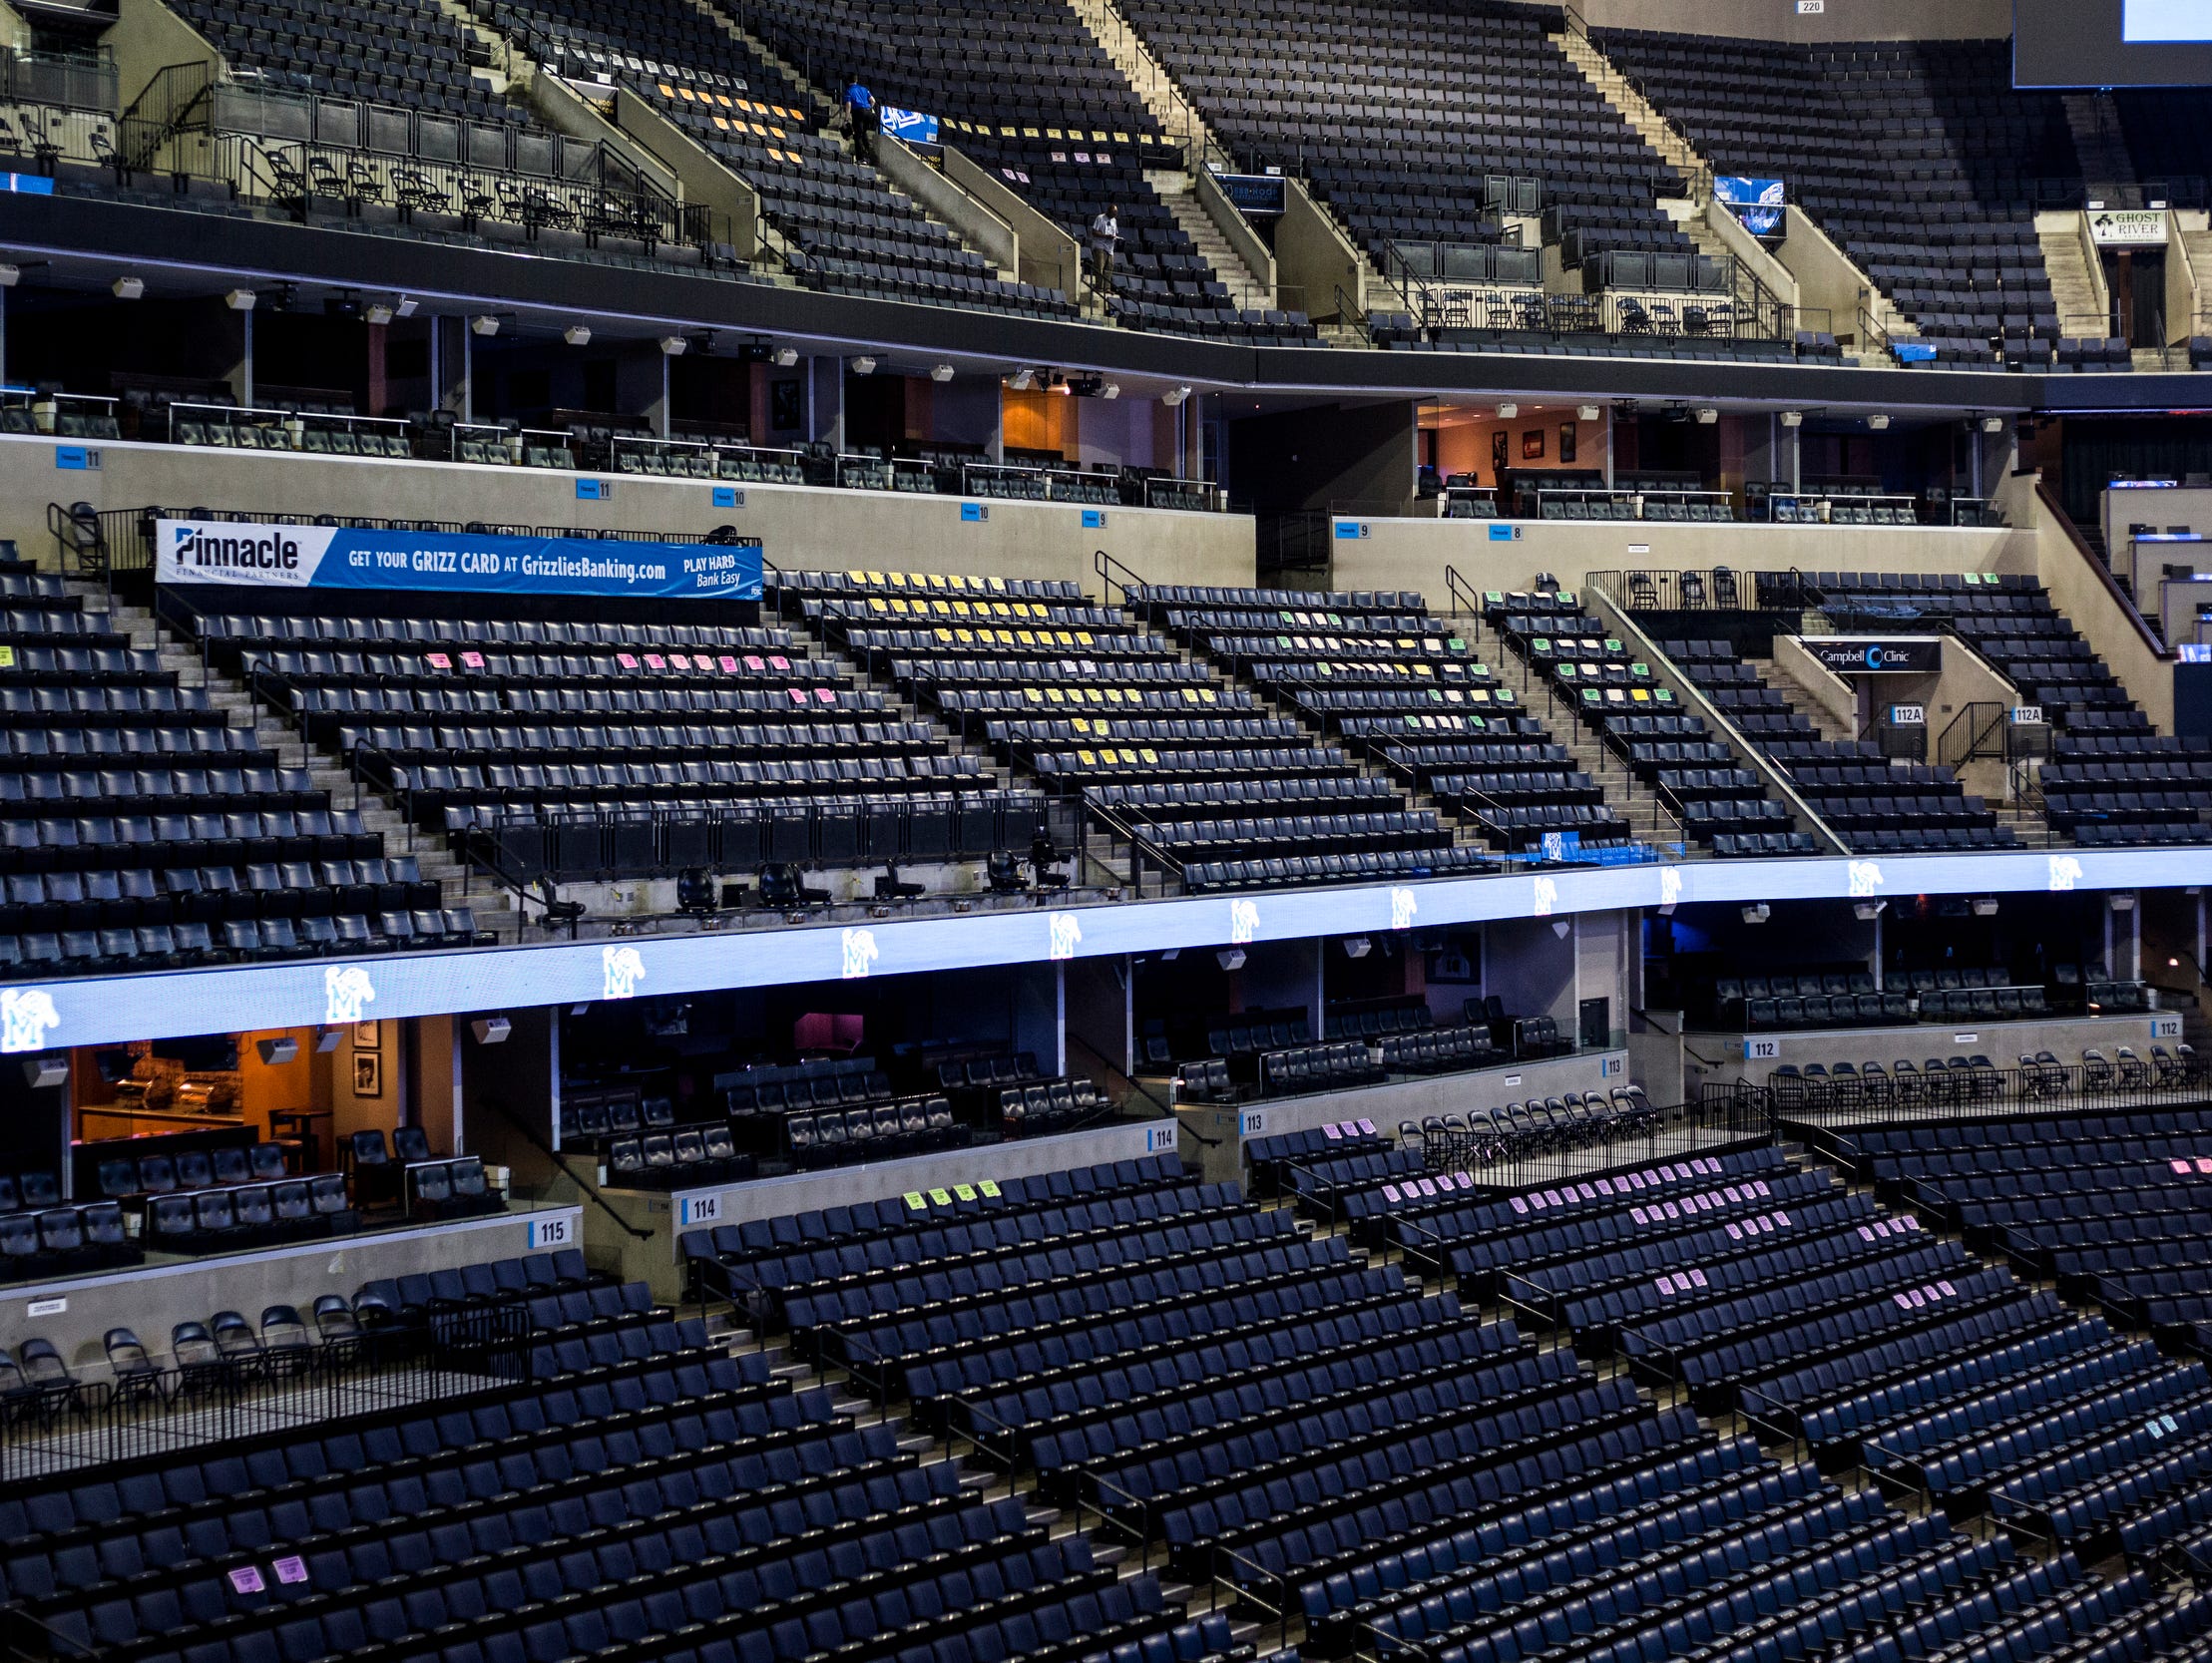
{"points": [[863, 120]]}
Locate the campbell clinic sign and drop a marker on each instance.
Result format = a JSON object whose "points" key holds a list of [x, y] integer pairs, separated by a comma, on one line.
{"points": [[1892, 655], [2127, 228], [343, 557]]}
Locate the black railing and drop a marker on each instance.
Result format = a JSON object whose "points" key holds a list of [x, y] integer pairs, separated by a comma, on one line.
{"points": [[2125, 1080], [165, 1411], [1715, 588], [1976, 733]]}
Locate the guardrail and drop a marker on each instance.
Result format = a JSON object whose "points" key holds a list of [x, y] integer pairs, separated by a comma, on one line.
{"points": [[1695, 702], [148, 1413], [2137, 1081]]}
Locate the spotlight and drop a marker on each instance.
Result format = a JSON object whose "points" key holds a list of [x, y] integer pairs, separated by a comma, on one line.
{"points": [[1231, 958], [787, 356], [2124, 903], [1984, 905], [1591, 412], [578, 334], [1869, 911], [485, 326], [491, 1031], [129, 288], [673, 346], [1507, 412], [326, 1039], [1793, 418], [1357, 946], [280, 1051], [1112, 390], [1021, 380], [378, 313], [1757, 913], [10, 275], [406, 307], [941, 374], [863, 366], [1707, 415], [241, 299], [39, 1072], [1174, 396], [1879, 424], [1993, 424]]}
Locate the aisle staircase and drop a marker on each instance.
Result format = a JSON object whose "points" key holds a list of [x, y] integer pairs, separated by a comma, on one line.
{"points": [[1246, 287], [327, 771]]}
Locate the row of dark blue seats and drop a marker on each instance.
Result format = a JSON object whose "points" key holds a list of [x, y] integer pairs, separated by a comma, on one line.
{"points": [[1205, 1464], [772, 1278], [890, 1348], [1167, 1241], [1070, 1405], [1218, 1316], [1723, 1486]]}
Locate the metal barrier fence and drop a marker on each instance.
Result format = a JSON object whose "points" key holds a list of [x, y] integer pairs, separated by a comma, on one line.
{"points": [[65, 1426], [2122, 1080], [1500, 1157]]}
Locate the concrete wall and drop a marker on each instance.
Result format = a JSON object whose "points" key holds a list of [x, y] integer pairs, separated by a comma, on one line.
{"points": [[1048, 256], [2086, 593], [1827, 278], [1719, 1056], [1314, 258], [980, 229], [798, 526], [1236, 230], [1411, 554], [1963, 678], [147, 37], [657, 1259], [565, 111], [1724, 224], [703, 177], [151, 1298]]}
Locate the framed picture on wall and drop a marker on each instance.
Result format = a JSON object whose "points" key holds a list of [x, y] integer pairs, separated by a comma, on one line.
{"points": [[368, 1036], [368, 1073], [1532, 445], [1566, 441], [1499, 453]]}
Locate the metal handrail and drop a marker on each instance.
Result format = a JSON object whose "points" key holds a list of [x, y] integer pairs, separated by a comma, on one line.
{"points": [[1693, 697], [499, 1106], [1968, 737], [1111, 570]]}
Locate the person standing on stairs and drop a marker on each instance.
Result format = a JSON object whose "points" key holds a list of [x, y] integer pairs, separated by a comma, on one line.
{"points": [[1106, 241], [862, 121]]}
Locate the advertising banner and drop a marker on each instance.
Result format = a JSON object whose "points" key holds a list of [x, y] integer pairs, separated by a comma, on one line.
{"points": [[1259, 195], [910, 125], [1756, 201], [2128, 227], [441, 563], [1890, 656]]}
